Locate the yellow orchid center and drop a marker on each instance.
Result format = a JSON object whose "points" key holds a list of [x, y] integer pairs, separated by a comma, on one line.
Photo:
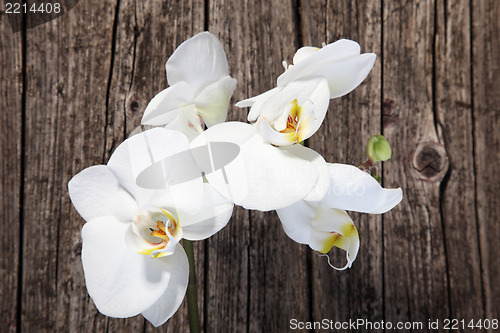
{"points": [[161, 233], [340, 240], [168, 230], [296, 123]]}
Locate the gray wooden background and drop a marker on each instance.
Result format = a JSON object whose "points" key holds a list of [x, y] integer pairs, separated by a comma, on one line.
{"points": [[72, 89]]}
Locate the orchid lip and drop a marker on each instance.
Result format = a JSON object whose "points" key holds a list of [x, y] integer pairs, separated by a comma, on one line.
{"points": [[155, 232], [295, 129]]}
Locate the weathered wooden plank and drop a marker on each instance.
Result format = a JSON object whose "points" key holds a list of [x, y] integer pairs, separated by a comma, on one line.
{"points": [[226, 280], [11, 117], [147, 34], [351, 120], [421, 262], [88, 65], [454, 124], [257, 277], [415, 262], [67, 74], [486, 117]]}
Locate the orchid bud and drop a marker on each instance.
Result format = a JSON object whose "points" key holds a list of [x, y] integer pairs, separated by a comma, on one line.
{"points": [[378, 149]]}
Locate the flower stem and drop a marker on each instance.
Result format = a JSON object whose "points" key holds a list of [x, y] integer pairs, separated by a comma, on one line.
{"points": [[192, 297]]}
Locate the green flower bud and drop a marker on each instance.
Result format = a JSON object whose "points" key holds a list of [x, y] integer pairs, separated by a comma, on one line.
{"points": [[378, 149]]}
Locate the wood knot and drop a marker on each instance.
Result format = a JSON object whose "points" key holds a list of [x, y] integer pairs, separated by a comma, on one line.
{"points": [[389, 112], [430, 161], [134, 105]]}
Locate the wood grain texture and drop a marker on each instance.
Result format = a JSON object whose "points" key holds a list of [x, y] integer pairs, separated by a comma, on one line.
{"points": [[146, 35], [349, 123], [11, 118], [249, 257], [65, 118], [486, 117], [72, 89], [415, 259], [453, 119]]}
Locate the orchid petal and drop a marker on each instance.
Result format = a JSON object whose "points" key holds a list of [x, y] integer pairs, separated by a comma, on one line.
{"points": [[353, 246], [141, 239], [345, 76], [333, 227], [303, 53], [121, 282], [355, 190], [321, 228], [158, 111], [322, 185], [212, 217], [154, 149], [275, 137], [96, 192], [168, 303], [334, 52], [340, 63], [133, 156], [296, 219], [252, 115], [213, 101], [333, 220], [313, 90], [262, 176], [186, 121], [338, 50], [311, 96], [199, 61], [182, 175], [323, 241]]}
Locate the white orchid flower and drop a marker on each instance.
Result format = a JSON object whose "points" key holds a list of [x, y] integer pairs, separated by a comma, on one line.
{"points": [[321, 228], [293, 113], [295, 109], [262, 176], [200, 86], [131, 256], [324, 223]]}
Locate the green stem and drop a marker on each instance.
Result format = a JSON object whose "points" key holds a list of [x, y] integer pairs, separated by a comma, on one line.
{"points": [[192, 296]]}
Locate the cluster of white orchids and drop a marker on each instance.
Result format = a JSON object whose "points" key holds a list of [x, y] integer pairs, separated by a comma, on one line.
{"points": [[180, 179]]}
